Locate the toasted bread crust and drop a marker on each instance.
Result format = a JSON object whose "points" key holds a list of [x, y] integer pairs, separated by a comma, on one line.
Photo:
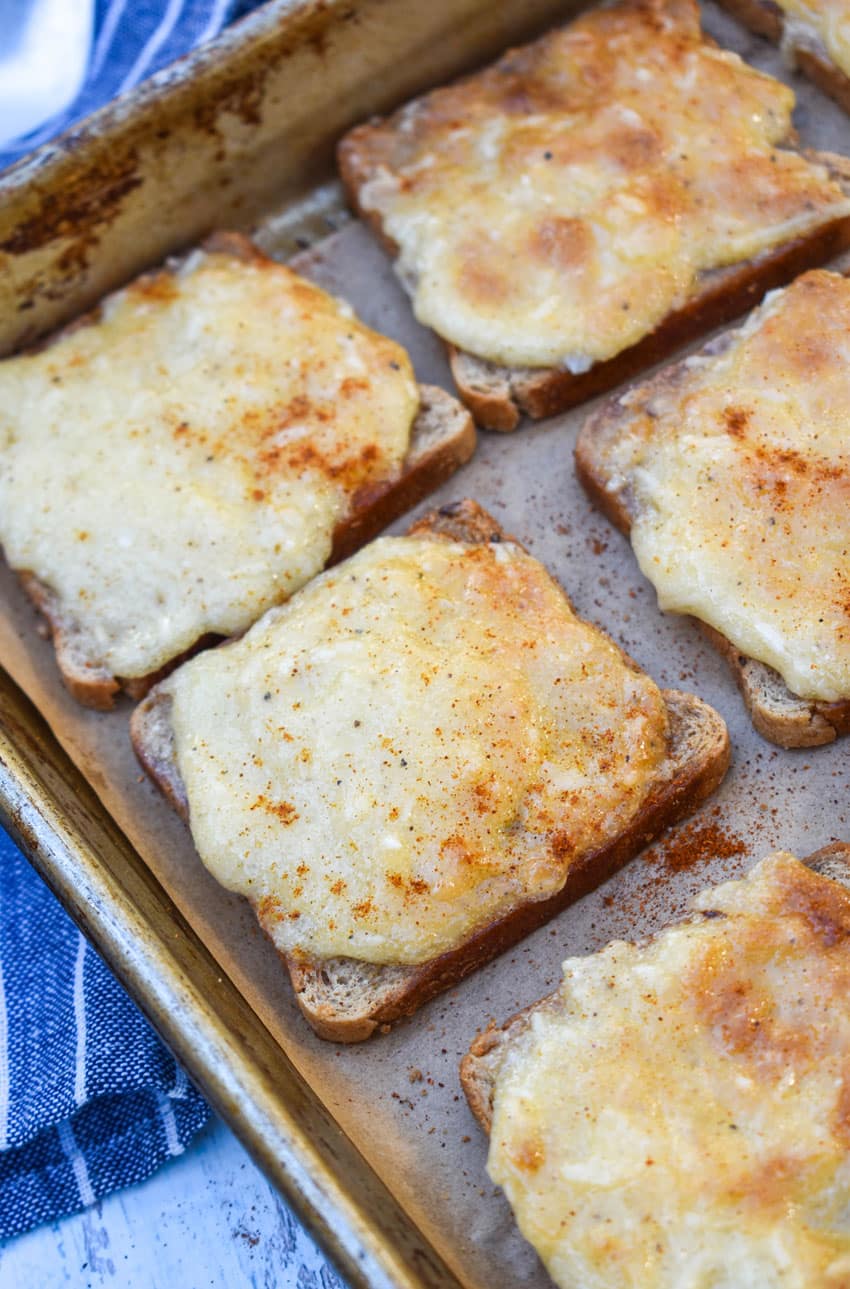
{"points": [[461, 521], [479, 1067], [767, 19], [450, 430], [698, 759], [779, 715], [152, 736], [499, 396], [91, 685], [442, 439]]}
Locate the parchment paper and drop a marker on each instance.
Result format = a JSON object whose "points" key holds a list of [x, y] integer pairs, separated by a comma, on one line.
{"points": [[398, 1096]]}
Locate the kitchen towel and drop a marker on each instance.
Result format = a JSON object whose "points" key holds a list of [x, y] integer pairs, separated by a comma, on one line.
{"points": [[132, 40], [90, 1100]]}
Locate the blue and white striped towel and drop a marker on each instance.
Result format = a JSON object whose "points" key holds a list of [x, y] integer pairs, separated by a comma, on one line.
{"points": [[90, 1100], [132, 39]]}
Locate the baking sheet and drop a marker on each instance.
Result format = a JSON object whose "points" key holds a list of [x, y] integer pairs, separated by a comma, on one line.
{"points": [[398, 1096]]}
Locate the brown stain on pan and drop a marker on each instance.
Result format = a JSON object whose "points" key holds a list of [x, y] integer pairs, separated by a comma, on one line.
{"points": [[72, 214], [238, 95], [85, 201], [91, 197], [242, 93]]}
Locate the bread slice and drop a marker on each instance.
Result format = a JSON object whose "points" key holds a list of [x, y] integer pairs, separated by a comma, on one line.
{"points": [[442, 438], [480, 1066], [778, 714], [500, 395], [346, 1000], [800, 41], [650, 1119]]}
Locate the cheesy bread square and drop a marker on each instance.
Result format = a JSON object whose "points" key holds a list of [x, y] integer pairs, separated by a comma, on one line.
{"points": [[675, 1115], [420, 756], [731, 473], [621, 182], [197, 450]]}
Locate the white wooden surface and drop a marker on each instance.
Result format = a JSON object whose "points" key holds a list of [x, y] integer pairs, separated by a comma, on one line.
{"points": [[206, 1220]]}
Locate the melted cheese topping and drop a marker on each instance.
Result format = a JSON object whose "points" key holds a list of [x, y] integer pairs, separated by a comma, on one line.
{"points": [[418, 741], [819, 25], [553, 209], [680, 1117], [740, 473], [179, 466]]}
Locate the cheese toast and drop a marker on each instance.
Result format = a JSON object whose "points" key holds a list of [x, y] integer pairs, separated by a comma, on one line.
{"points": [[812, 34], [675, 1114], [419, 759], [187, 456], [730, 472], [590, 202]]}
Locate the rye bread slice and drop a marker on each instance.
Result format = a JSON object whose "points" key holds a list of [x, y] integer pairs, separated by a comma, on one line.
{"points": [[346, 1000], [499, 396], [442, 439], [779, 715], [479, 1069], [801, 42]]}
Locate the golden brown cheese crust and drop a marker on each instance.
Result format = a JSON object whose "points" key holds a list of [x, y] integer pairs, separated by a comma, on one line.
{"points": [[476, 739], [731, 993], [677, 1114], [565, 138], [731, 471]]}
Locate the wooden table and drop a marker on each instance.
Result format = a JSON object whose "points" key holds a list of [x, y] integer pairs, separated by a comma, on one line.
{"points": [[207, 1220]]}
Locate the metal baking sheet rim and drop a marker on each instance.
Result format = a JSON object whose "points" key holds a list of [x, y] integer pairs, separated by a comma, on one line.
{"points": [[77, 219]]}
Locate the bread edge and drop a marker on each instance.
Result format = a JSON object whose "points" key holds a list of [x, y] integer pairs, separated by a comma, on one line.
{"points": [[428, 464], [767, 19], [687, 782], [480, 1066], [790, 722]]}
